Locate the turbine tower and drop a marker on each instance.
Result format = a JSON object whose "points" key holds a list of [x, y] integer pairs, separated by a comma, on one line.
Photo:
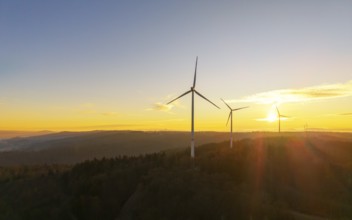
{"points": [[193, 90], [279, 115], [230, 116]]}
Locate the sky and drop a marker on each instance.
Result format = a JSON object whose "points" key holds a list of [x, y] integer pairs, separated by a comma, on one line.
{"points": [[113, 65]]}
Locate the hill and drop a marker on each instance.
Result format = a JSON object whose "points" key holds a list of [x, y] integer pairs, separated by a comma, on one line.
{"points": [[4, 134], [282, 177], [74, 147]]}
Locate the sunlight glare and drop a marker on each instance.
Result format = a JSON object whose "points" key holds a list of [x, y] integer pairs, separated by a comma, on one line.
{"points": [[272, 114]]}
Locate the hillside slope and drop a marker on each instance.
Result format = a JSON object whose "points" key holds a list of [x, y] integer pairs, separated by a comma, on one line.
{"points": [[262, 178]]}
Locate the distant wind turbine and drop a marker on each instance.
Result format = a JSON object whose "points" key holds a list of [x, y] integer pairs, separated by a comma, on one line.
{"points": [[279, 115], [305, 128], [230, 116], [193, 90]]}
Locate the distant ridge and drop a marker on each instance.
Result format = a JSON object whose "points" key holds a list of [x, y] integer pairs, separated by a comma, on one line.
{"points": [[74, 147], [4, 134]]}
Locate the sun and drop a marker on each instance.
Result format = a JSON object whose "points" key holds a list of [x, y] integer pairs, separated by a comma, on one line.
{"points": [[272, 115]]}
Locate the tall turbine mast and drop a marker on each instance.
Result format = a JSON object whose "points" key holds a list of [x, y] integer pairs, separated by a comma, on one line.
{"points": [[193, 90], [230, 116], [279, 115]]}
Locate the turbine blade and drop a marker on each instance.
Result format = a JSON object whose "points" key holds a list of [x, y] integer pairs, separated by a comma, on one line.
{"points": [[228, 118], [236, 109], [278, 113], [206, 99], [285, 116], [179, 96], [226, 104], [195, 74]]}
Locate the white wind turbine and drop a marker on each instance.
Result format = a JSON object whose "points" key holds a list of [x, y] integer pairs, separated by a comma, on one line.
{"points": [[279, 115], [230, 116], [193, 90]]}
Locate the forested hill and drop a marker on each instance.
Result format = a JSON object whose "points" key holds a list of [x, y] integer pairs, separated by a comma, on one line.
{"points": [[293, 177]]}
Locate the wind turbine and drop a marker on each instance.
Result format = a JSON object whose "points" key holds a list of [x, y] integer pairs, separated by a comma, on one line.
{"points": [[230, 116], [193, 90], [279, 115], [305, 127]]}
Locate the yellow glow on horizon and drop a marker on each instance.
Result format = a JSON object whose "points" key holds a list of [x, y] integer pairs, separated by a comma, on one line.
{"points": [[324, 115]]}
